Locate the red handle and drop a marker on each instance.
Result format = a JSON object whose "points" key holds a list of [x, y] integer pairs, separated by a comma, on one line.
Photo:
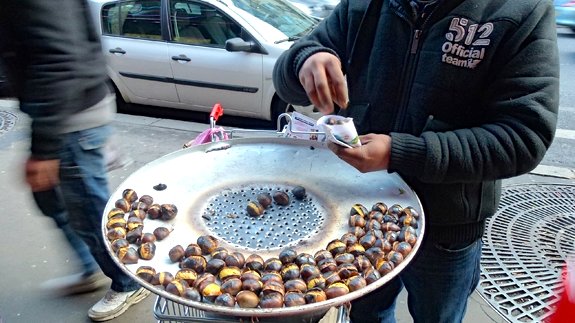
{"points": [[217, 111]]}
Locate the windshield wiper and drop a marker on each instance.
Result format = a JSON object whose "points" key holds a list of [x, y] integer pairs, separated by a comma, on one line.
{"points": [[292, 38]]}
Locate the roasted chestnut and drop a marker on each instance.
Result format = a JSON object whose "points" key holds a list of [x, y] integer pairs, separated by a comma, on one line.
{"points": [[119, 244], [253, 285], [357, 231], [336, 289], [197, 263], [408, 220], [273, 287], [379, 206], [162, 278], [177, 253], [298, 192], [384, 266], [130, 195], [193, 250], [390, 236], [235, 259], [371, 275], [355, 249], [116, 233], [214, 266], [123, 204], [272, 276], [361, 262], [219, 253], [116, 222], [404, 248], [317, 282], [273, 264], [134, 222], [343, 258], [358, 209], [147, 199], [410, 210], [207, 243], [327, 264], [374, 254], [247, 299], [254, 262], [203, 280], [168, 211], [272, 300], [395, 210], [232, 286], [135, 235], [395, 257], [321, 255], [254, 209], [177, 287], [294, 298], [368, 240], [347, 270], [309, 271], [289, 271], [211, 291], [147, 250], [304, 258], [137, 214], [315, 295], [281, 198], [349, 238], [250, 274], [372, 224], [331, 277], [357, 220], [148, 237], [140, 206], [154, 211], [355, 283], [146, 273], [287, 255], [187, 274], [336, 247], [229, 272], [295, 285], [161, 233], [375, 215], [226, 300], [264, 199], [192, 294], [115, 213]]}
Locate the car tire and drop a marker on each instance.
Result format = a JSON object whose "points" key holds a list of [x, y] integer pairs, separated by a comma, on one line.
{"points": [[278, 107]]}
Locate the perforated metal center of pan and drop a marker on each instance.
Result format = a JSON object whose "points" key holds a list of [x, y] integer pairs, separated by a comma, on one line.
{"points": [[278, 226]]}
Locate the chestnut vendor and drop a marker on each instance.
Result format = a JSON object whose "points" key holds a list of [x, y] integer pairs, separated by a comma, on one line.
{"points": [[453, 95]]}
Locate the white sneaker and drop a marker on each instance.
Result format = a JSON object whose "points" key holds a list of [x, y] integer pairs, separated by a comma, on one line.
{"points": [[113, 304]]}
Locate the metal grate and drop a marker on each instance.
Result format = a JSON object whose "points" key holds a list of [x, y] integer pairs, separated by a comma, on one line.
{"points": [[525, 247], [279, 226], [7, 121]]}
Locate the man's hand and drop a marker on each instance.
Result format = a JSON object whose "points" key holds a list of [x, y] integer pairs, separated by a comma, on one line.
{"points": [[323, 81], [42, 175], [372, 155]]}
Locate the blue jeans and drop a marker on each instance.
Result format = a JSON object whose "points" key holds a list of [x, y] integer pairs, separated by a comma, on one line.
{"points": [[52, 204], [84, 185], [439, 280]]}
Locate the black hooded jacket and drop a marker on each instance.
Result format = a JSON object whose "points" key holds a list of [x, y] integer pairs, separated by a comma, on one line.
{"points": [[469, 95]]}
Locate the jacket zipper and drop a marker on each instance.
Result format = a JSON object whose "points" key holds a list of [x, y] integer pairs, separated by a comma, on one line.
{"points": [[409, 69]]}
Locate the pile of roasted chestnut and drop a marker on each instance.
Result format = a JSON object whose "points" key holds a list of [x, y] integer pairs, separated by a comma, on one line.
{"points": [[378, 240]]}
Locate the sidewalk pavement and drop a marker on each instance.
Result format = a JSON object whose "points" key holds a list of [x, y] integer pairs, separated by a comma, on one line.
{"points": [[34, 250]]}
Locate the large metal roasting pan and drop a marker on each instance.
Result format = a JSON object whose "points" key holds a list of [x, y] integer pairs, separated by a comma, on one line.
{"points": [[211, 184]]}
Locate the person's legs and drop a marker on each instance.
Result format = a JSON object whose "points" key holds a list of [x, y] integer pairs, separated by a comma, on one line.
{"points": [[85, 190], [377, 306], [84, 187], [440, 280], [51, 203]]}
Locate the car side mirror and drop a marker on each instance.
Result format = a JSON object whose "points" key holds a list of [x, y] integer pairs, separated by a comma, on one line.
{"points": [[239, 45]]}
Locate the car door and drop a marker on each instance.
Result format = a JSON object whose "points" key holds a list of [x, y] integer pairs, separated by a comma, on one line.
{"points": [[204, 72], [137, 56]]}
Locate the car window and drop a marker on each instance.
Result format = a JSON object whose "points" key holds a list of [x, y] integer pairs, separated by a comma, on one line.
{"points": [[200, 24], [137, 19]]}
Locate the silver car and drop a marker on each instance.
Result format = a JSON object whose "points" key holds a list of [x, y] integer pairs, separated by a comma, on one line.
{"points": [[191, 54]]}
